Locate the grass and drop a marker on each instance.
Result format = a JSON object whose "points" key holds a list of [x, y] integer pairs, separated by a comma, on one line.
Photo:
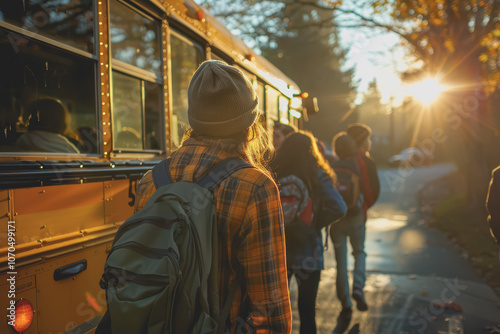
{"points": [[467, 226]]}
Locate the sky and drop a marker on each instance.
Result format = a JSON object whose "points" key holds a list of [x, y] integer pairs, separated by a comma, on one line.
{"points": [[375, 56]]}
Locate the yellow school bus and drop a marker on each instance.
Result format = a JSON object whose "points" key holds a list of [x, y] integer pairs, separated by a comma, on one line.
{"points": [[93, 93]]}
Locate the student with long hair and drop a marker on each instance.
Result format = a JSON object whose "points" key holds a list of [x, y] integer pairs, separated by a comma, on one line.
{"points": [[223, 113], [280, 132], [298, 161]]}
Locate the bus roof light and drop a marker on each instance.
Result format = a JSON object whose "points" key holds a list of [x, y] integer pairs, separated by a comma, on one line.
{"points": [[303, 95], [200, 15]]}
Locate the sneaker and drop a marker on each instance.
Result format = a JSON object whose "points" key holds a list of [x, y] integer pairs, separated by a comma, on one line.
{"points": [[359, 297], [343, 321]]}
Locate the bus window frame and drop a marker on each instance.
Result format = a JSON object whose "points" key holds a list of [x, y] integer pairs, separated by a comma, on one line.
{"points": [[262, 103], [249, 75], [142, 75], [217, 52], [50, 41], [282, 97], [97, 96], [278, 93], [147, 7]]}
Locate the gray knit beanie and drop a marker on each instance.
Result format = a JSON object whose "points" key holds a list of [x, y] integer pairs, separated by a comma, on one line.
{"points": [[222, 101]]}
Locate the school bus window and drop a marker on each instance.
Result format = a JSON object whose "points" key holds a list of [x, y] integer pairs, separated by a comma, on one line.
{"points": [[271, 106], [283, 108], [185, 59], [137, 81], [135, 38], [67, 21], [216, 57], [261, 94], [250, 76], [47, 98], [127, 112]]}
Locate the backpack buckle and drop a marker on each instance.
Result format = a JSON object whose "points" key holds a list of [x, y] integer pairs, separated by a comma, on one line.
{"points": [[103, 283]]}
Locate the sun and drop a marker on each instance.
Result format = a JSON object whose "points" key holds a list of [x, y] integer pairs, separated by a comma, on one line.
{"points": [[426, 91]]}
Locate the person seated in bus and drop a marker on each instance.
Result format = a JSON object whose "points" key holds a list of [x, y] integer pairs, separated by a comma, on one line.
{"points": [[223, 113], [47, 120], [88, 139]]}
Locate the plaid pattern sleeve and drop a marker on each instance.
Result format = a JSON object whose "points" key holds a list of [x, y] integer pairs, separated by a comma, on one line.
{"points": [[145, 189], [262, 255]]}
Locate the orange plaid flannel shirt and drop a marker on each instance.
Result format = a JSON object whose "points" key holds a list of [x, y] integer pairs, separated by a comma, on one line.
{"points": [[249, 214]]}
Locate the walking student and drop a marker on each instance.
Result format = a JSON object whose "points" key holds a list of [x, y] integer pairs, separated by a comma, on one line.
{"points": [[223, 109], [361, 134], [310, 202], [351, 227]]}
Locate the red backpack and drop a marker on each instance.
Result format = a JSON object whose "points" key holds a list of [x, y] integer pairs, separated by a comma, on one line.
{"points": [[349, 184], [295, 200]]}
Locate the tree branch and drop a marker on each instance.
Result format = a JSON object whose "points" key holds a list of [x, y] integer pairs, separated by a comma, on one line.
{"points": [[413, 42], [495, 12]]}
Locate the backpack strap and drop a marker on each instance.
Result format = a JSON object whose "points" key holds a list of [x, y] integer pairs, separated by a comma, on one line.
{"points": [[161, 174], [222, 170]]}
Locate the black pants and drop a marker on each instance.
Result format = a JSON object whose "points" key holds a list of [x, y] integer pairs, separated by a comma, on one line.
{"points": [[308, 282]]}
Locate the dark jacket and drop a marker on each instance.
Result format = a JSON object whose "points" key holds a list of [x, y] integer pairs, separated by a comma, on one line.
{"points": [[304, 243], [369, 180], [493, 205]]}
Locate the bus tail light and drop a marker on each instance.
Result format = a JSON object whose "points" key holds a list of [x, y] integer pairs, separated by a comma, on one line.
{"points": [[24, 315]]}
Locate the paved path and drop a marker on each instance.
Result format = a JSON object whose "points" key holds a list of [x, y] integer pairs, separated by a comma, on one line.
{"points": [[410, 268]]}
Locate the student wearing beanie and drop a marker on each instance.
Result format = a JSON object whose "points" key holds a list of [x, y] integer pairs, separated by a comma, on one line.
{"points": [[223, 114], [361, 133]]}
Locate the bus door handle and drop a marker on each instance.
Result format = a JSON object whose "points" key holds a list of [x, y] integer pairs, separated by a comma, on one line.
{"points": [[70, 270]]}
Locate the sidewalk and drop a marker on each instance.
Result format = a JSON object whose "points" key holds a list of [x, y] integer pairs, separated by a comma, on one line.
{"points": [[411, 269]]}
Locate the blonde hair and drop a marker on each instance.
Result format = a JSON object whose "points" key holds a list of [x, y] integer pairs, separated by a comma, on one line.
{"points": [[320, 160], [253, 146]]}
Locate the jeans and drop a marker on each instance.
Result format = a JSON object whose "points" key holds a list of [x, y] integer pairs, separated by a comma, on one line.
{"points": [[308, 282], [354, 228]]}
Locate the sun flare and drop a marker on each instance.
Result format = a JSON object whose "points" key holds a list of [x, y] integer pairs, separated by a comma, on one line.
{"points": [[426, 91]]}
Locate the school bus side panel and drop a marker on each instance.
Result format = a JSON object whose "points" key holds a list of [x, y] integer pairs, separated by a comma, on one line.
{"points": [[47, 212], [75, 301], [118, 204]]}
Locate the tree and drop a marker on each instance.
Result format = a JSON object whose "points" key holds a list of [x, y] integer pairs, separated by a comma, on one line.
{"points": [[313, 58], [457, 41], [313, 63]]}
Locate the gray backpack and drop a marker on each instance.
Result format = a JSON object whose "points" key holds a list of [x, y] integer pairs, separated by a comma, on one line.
{"points": [[160, 276]]}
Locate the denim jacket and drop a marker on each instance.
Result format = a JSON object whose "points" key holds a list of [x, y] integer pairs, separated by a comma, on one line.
{"points": [[305, 243]]}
